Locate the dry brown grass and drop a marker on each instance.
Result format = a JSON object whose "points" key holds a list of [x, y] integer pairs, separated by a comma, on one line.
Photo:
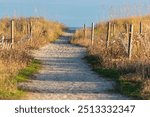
{"points": [[116, 56], [79, 39], [13, 60], [46, 31]]}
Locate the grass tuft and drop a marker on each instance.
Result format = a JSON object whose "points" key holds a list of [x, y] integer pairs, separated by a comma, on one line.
{"points": [[25, 73], [8, 86]]}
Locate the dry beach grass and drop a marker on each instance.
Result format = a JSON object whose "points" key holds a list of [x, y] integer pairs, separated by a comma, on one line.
{"points": [[18, 58], [134, 74]]}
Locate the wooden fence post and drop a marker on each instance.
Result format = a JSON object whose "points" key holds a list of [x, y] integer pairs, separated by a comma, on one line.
{"points": [[3, 38], [31, 29], [27, 28], [84, 29], [127, 31], [130, 42], [12, 33], [92, 34], [114, 29], [141, 27], [108, 34]]}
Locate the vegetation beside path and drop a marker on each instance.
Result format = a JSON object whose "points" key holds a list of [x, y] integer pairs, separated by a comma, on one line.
{"points": [[131, 75], [17, 64]]}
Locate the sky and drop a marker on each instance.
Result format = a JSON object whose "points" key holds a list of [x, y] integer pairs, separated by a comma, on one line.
{"points": [[74, 13]]}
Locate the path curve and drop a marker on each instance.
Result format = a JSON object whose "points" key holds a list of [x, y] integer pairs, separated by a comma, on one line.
{"points": [[65, 75]]}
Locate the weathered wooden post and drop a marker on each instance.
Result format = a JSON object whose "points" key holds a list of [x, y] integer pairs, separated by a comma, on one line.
{"points": [[92, 34], [12, 33], [114, 29], [130, 42], [27, 28], [108, 34], [84, 29], [127, 31], [3, 38], [31, 29], [141, 27]]}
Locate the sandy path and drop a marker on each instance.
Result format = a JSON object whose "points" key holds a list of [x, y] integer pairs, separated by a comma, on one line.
{"points": [[64, 75]]}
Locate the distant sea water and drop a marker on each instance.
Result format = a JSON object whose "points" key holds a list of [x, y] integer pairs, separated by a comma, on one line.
{"points": [[72, 29]]}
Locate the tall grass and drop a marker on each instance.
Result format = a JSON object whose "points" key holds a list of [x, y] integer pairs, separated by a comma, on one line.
{"points": [[134, 73], [18, 58]]}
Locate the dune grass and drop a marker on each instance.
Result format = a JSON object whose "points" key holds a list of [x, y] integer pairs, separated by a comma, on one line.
{"points": [[132, 76], [23, 76], [17, 64]]}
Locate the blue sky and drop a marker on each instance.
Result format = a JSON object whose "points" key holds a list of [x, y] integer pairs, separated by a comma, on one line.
{"points": [[74, 12]]}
